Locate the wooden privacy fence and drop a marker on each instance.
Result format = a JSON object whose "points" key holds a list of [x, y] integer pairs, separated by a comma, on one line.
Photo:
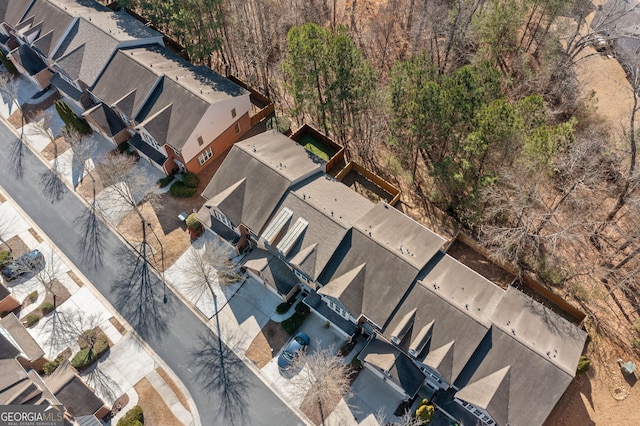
{"points": [[308, 130], [526, 278], [374, 178], [265, 104]]}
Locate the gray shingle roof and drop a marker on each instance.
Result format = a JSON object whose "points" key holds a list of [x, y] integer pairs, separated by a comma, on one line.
{"points": [[534, 384], [329, 206], [279, 276], [387, 276], [30, 61], [128, 94], [108, 120], [12, 10], [540, 329], [85, 52], [462, 287], [72, 392], [409, 239], [248, 186], [47, 18], [454, 333], [21, 337], [387, 358]]}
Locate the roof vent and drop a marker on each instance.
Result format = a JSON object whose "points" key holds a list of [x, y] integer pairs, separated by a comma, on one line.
{"points": [[304, 196], [401, 249], [513, 331], [254, 148], [466, 306]]}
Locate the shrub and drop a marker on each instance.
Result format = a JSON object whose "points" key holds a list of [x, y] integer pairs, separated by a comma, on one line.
{"points": [[46, 308], [4, 314], [179, 189], [5, 258], [71, 119], [635, 343], [33, 296], [165, 181], [8, 64], [190, 180], [32, 319], [583, 365], [97, 337], [193, 222], [133, 417], [356, 364], [51, 366], [282, 308], [636, 324], [301, 308], [123, 147], [291, 324], [425, 411], [83, 359]]}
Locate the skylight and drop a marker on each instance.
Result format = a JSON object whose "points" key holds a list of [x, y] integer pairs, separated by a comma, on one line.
{"points": [[276, 225], [292, 236]]}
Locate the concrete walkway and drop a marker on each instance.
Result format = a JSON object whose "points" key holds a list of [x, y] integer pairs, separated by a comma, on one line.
{"points": [[128, 360]]}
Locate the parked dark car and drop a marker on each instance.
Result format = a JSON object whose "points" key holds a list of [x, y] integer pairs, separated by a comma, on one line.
{"points": [[28, 262], [298, 344]]}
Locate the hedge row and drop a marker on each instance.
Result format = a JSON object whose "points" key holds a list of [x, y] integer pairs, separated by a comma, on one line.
{"points": [[71, 119]]}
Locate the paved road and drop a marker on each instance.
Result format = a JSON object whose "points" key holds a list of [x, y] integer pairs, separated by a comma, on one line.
{"points": [[179, 340]]}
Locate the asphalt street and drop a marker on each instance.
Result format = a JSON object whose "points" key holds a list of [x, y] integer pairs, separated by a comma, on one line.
{"points": [[176, 343]]}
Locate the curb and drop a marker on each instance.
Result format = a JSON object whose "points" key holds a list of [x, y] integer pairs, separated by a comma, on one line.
{"points": [[192, 406]]}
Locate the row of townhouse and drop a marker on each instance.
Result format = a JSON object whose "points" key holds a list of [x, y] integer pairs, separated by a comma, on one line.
{"points": [[116, 72], [431, 321]]}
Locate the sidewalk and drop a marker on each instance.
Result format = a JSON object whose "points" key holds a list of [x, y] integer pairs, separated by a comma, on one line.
{"points": [[127, 362]]}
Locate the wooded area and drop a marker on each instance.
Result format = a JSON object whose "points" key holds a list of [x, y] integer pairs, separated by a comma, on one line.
{"points": [[473, 107]]}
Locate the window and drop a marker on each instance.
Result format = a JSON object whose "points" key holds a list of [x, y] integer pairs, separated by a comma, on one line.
{"points": [[301, 276], [151, 141], [233, 113], [200, 141], [222, 218], [237, 127], [124, 118], [205, 156]]}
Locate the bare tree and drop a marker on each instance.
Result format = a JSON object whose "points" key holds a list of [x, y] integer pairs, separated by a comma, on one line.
{"points": [[68, 329], [128, 186], [48, 273], [140, 294], [91, 221], [323, 380], [223, 374], [9, 89], [208, 266], [53, 187]]}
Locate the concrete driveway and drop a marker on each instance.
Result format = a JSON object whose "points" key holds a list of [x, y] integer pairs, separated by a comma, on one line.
{"points": [[370, 396], [320, 335]]}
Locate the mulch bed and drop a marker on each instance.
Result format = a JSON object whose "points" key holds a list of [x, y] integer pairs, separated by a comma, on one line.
{"points": [[268, 342]]}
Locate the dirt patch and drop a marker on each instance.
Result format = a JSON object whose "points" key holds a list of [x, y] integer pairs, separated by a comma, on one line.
{"points": [[365, 187], [16, 119], [173, 387], [268, 342], [174, 243], [309, 407], [61, 292], [59, 146], [156, 412], [119, 404], [35, 235], [16, 246], [600, 396], [75, 278], [114, 321]]}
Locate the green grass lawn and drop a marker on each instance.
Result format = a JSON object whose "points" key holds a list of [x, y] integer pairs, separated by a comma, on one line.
{"points": [[313, 145]]}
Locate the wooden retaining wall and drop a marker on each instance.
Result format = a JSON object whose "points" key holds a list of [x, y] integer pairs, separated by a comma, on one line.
{"points": [[390, 189]]}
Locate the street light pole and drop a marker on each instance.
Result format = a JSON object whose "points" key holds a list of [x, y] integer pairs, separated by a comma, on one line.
{"points": [[164, 283]]}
